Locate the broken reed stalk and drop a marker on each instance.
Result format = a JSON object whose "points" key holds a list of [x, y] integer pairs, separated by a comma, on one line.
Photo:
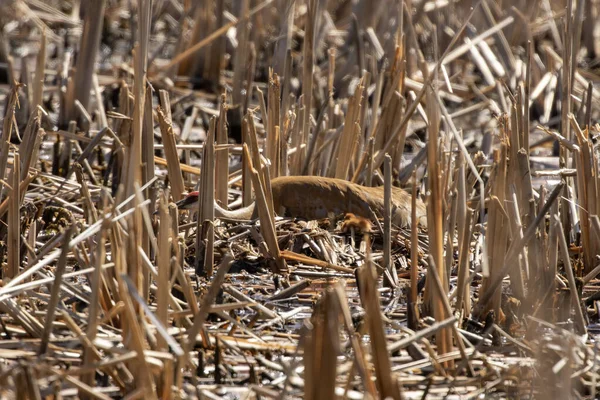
{"points": [[446, 57], [133, 161], [88, 50], [448, 311], [173, 166], [266, 217], [586, 164], [435, 223], [163, 265], [387, 218], [143, 378], [387, 384], [32, 141], [14, 221], [207, 301], [148, 164], [214, 35], [264, 197], [497, 232], [95, 283], [40, 65], [573, 291], [413, 310], [4, 206], [273, 124], [7, 128], [221, 166], [516, 247], [307, 69], [239, 61], [463, 297], [321, 345], [58, 280], [148, 158], [349, 137], [246, 179], [90, 210], [205, 235], [359, 353]]}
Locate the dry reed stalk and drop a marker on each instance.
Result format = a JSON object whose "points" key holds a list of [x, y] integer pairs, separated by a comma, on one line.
{"points": [[587, 191], [527, 207], [264, 115], [214, 35], [291, 256], [389, 104], [38, 83], [516, 233], [273, 123], [246, 178], [516, 247], [205, 234], [133, 227], [95, 283], [222, 156], [7, 128], [31, 142], [14, 221], [58, 280], [298, 158], [497, 233], [64, 157], [140, 53], [212, 66], [252, 142], [174, 347], [321, 345], [88, 50], [264, 202], [347, 148], [552, 255], [446, 57], [525, 107], [242, 297], [413, 310], [240, 60], [360, 361], [163, 264], [463, 298], [207, 301], [201, 26], [435, 217], [90, 209], [148, 159], [566, 85], [387, 384], [448, 310], [575, 301], [182, 167], [387, 218], [308, 68], [173, 165], [291, 291], [143, 379], [4, 206]]}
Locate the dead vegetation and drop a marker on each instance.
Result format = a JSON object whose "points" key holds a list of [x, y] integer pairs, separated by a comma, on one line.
{"points": [[485, 110]]}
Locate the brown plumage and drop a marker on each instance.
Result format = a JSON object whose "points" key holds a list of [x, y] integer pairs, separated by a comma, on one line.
{"points": [[315, 197]]}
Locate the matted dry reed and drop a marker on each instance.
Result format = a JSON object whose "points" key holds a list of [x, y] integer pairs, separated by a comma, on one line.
{"points": [[484, 111]]}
